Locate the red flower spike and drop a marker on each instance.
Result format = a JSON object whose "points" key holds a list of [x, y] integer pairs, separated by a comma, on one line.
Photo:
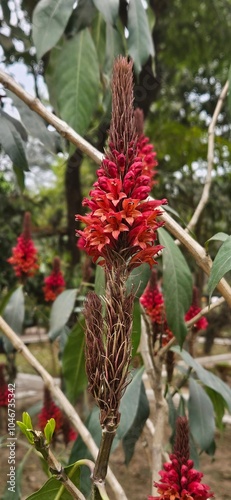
{"points": [[145, 150], [3, 386], [152, 301], [51, 410], [179, 481], [121, 222], [54, 284], [194, 309], [24, 255]]}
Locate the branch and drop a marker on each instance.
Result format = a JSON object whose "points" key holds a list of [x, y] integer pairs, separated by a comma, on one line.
{"points": [[210, 157], [198, 252], [62, 127], [66, 406]]}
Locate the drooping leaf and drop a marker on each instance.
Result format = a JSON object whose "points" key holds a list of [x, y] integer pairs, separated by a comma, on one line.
{"points": [[49, 20], [205, 376], [61, 310], [133, 434], [216, 237], [54, 489], [20, 176], [6, 299], [221, 265], [17, 124], [73, 80], [201, 415], [177, 285], [12, 143], [136, 327], [100, 281], [14, 315], [219, 406], [138, 279], [140, 44], [109, 9], [73, 363], [34, 124]]}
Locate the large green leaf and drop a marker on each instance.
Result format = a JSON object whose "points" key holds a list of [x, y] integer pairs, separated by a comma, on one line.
{"points": [[61, 310], [177, 285], [73, 80], [201, 415], [17, 124], [140, 44], [136, 327], [206, 377], [135, 431], [221, 265], [114, 47], [54, 489], [14, 315], [108, 9], [12, 143], [73, 363], [49, 20]]}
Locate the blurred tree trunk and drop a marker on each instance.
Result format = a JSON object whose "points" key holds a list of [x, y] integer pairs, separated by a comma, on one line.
{"points": [[74, 202]]}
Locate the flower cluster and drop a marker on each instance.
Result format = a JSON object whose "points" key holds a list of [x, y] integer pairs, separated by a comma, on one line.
{"points": [[145, 149], [122, 221], [194, 309], [179, 480], [54, 284], [152, 301], [24, 259], [51, 410]]}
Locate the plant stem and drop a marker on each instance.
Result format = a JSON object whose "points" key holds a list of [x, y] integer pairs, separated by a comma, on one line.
{"points": [[101, 464]]}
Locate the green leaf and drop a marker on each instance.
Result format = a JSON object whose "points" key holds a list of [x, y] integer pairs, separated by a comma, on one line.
{"points": [[219, 406], [61, 310], [206, 377], [49, 20], [114, 47], [12, 143], [73, 80], [6, 299], [108, 9], [27, 420], [100, 281], [229, 93], [14, 315], [136, 327], [216, 237], [140, 44], [53, 489], [81, 17], [201, 415], [49, 429], [221, 265], [17, 124], [26, 432], [177, 285], [20, 176], [73, 363], [135, 431], [138, 279]]}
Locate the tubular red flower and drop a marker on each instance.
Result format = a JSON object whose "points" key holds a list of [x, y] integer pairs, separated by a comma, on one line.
{"points": [[194, 309], [24, 255], [54, 284], [121, 222], [179, 481]]}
